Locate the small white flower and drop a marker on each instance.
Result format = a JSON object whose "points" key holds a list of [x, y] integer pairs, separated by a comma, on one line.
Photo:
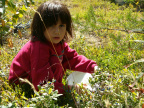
{"points": [[45, 94]]}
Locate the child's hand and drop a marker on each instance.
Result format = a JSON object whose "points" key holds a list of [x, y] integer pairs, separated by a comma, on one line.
{"points": [[96, 68], [78, 88]]}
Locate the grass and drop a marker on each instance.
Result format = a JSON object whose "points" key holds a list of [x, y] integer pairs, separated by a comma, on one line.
{"points": [[103, 32]]}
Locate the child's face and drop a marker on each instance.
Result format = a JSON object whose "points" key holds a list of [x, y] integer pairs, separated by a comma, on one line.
{"points": [[55, 33]]}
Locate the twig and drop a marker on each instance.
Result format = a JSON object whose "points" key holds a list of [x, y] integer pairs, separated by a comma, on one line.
{"points": [[128, 31]]}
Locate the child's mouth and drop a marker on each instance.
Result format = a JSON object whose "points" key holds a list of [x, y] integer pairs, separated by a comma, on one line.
{"points": [[56, 37]]}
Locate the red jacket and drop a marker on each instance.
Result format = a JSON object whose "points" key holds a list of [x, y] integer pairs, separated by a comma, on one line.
{"points": [[39, 62]]}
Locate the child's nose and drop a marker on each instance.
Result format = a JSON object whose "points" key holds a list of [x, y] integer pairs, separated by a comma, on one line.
{"points": [[57, 30]]}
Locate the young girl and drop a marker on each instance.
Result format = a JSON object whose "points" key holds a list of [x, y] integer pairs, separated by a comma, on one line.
{"points": [[47, 55]]}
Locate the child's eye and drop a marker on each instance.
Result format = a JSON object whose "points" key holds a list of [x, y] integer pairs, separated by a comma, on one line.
{"points": [[62, 25]]}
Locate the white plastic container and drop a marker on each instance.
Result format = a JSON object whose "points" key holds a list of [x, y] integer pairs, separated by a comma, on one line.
{"points": [[80, 78]]}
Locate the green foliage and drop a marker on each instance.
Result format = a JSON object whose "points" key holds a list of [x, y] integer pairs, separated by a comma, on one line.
{"points": [[109, 34], [46, 97], [90, 17], [11, 12], [137, 2], [121, 56]]}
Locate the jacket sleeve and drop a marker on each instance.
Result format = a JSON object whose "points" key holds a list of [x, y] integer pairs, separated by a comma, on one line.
{"points": [[20, 66], [76, 62]]}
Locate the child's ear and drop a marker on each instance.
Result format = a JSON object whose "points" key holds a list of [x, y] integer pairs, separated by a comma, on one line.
{"points": [[65, 36]]}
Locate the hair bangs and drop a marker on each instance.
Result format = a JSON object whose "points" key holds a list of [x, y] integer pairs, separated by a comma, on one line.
{"points": [[64, 17], [50, 19]]}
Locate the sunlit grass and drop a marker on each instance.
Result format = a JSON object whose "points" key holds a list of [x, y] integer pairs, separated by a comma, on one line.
{"points": [[112, 49]]}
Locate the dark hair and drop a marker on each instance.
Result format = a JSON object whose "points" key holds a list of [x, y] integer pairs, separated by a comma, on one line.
{"points": [[50, 12]]}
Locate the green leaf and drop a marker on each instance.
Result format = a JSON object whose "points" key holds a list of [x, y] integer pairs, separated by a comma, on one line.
{"points": [[12, 27], [10, 23], [20, 15], [134, 93], [142, 41], [3, 3], [24, 8], [14, 20], [24, 98], [11, 5], [140, 75], [5, 28], [15, 16], [27, 3], [32, 1]]}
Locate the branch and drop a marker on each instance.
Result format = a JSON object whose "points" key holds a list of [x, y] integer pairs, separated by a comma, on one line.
{"points": [[128, 31]]}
